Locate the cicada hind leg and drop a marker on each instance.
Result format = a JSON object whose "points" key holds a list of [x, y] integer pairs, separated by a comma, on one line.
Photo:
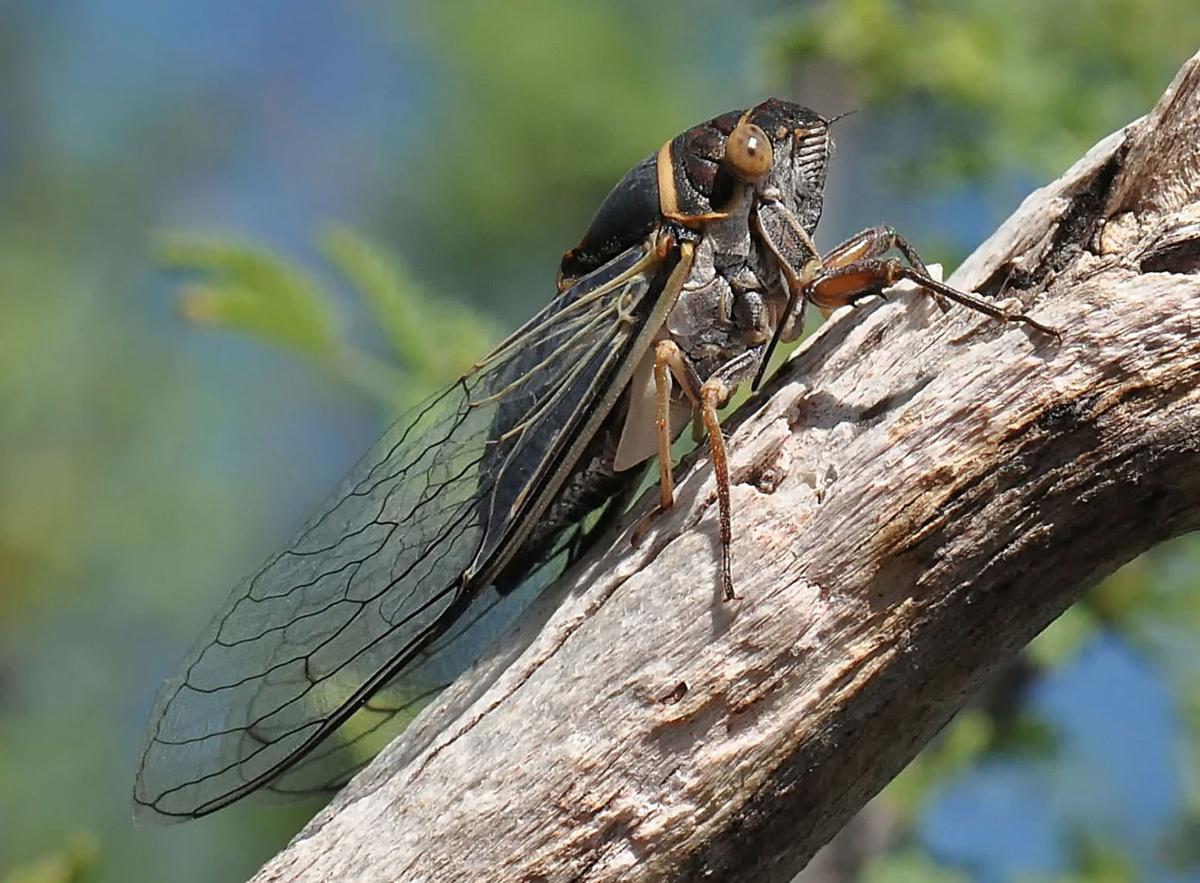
{"points": [[714, 395]]}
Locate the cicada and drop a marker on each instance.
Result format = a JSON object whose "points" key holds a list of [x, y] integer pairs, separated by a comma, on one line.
{"points": [[697, 264]]}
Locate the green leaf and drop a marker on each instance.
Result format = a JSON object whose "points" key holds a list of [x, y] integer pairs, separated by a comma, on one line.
{"points": [[247, 289], [434, 339], [993, 87], [70, 864]]}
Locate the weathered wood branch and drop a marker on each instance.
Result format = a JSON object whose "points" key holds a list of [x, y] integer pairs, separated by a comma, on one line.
{"points": [[916, 496]]}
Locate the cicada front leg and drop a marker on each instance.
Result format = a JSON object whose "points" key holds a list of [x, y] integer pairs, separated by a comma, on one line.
{"points": [[870, 245], [857, 269], [798, 261]]}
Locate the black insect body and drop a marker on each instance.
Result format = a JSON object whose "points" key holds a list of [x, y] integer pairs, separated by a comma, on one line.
{"points": [[696, 265]]}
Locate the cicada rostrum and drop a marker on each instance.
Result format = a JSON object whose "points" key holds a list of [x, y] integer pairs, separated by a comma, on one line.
{"points": [[697, 264]]}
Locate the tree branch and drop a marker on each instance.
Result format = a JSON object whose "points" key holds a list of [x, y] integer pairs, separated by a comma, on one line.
{"points": [[915, 497]]}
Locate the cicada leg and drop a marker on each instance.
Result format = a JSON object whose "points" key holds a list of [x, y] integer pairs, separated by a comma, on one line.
{"points": [[714, 394], [669, 362], [708, 397], [873, 243], [799, 262], [669, 358], [857, 269]]}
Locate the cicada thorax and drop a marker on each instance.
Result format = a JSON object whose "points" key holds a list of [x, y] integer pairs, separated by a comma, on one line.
{"points": [[683, 182], [686, 188], [695, 185], [626, 216]]}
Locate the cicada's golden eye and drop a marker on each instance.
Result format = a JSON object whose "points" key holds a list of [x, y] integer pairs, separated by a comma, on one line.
{"points": [[748, 152]]}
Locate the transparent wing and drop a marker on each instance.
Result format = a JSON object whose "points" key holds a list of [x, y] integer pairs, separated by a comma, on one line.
{"points": [[335, 761], [396, 558]]}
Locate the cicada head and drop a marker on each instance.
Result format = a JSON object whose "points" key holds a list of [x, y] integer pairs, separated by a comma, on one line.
{"points": [[775, 146], [694, 178], [800, 148]]}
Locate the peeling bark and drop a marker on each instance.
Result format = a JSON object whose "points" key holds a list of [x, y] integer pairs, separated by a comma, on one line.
{"points": [[916, 495]]}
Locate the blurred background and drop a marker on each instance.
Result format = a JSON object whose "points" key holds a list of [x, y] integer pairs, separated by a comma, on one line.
{"points": [[236, 238]]}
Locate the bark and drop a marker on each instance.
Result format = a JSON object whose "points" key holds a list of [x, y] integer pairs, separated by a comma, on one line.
{"points": [[916, 495]]}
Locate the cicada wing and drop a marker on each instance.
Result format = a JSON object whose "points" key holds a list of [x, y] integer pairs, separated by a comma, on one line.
{"points": [[387, 568], [385, 714]]}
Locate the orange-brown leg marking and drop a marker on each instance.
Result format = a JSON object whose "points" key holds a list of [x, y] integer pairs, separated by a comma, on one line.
{"points": [[665, 352], [874, 242], [667, 357], [864, 278], [713, 394], [844, 285], [866, 247], [870, 243]]}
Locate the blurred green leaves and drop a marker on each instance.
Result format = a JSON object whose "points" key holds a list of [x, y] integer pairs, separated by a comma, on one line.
{"points": [[1022, 85], [70, 864], [248, 289], [1095, 860], [542, 106], [515, 150], [909, 866], [430, 336], [240, 287]]}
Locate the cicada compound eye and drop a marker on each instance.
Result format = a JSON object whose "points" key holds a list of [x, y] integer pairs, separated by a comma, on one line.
{"points": [[748, 152]]}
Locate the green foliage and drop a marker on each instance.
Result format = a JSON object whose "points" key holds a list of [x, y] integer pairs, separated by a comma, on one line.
{"points": [[1181, 844], [245, 288], [1001, 86], [1095, 861], [909, 866], [550, 106], [248, 289], [70, 864], [432, 337]]}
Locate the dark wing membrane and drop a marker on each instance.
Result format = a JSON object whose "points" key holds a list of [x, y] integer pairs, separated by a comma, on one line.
{"points": [[386, 570]]}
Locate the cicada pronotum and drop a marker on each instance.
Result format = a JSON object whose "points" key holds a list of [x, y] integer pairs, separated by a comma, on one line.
{"points": [[697, 264]]}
